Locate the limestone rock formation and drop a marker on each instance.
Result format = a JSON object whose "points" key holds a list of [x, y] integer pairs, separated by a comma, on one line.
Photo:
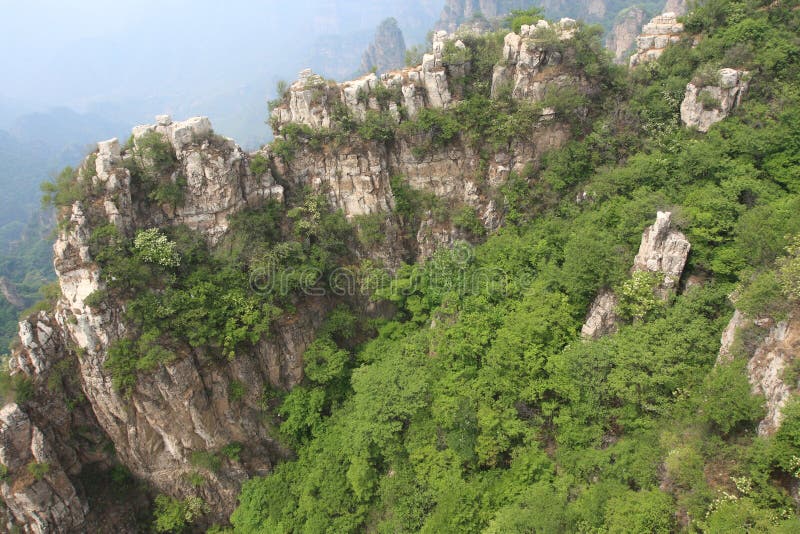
{"points": [[312, 100], [184, 406], [529, 66], [37, 491], [621, 40], [778, 347], [766, 371], [602, 318], [663, 250], [388, 50], [706, 103], [656, 35]]}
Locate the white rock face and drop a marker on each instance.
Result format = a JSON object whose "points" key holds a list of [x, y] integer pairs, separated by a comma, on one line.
{"points": [[766, 366], [663, 250], [766, 372], [602, 318], [704, 106], [311, 99], [42, 506], [656, 35], [729, 336], [529, 65]]}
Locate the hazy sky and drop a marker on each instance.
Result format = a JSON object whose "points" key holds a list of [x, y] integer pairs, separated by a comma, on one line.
{"points": [[74, 52]]}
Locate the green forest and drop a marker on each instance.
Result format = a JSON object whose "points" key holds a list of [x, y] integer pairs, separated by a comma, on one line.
{"points": [[478, 408]]}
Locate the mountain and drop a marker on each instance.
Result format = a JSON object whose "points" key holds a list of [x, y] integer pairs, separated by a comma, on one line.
{"points": [[514, 288], [388, 49]]}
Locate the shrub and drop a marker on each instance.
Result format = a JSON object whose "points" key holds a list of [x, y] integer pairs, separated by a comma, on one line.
{"points": [[728, 403], [153, 246], [789, 269], [173, 515], [259, 164], [525, 17], [205, 460], [38, 469], [232, 451], [377, 126], [708, 100], [637, 297], [236, 391], [66, 188], [762, 296], [370, 228], [195, 479], [170, 192], [467, 219], [155, 155]]}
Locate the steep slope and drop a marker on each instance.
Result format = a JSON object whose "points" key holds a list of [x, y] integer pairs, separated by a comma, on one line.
{"points": [[144, 227], [233, 316]]}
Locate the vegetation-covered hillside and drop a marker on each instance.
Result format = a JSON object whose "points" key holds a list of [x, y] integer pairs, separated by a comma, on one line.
{"points": [[478, 408]]}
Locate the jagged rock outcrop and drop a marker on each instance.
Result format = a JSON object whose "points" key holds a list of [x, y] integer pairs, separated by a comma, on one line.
{"points": [[602, 317], [184, 406], [47, 440], [312, 100], [663, 250], [707, 102], [37, 491], [621, 40], [656, 35], [387, 51], [777, 348], [530, 64]]}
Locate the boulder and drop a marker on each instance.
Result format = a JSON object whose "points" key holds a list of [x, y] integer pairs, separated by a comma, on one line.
{"points": [[705, 105]]}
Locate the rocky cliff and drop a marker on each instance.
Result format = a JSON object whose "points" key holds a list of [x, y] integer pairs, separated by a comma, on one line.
{"points": [[193, 405], [621, 40], [656, 35], [387, 51], [663, 251], [771, 349], [708, 101]]}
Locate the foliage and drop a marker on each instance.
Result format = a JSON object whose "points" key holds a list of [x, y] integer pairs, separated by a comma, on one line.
{"points": [[637, 296], [789, 269], [467, 219], [205, 460], [521, 17], [728, 403], [38, 469], [173, 515], [65, 189], [153, 246]]}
